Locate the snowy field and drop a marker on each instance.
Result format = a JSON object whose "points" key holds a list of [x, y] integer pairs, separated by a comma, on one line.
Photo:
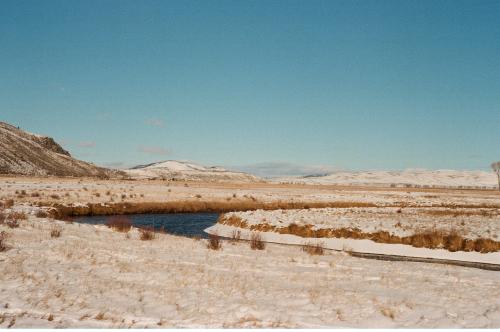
{"points": [[82, 191], [409, 177], [470, 223], [92, 276]]}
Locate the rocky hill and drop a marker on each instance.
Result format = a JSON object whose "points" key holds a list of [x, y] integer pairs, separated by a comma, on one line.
{"points": [[185, 171], [24, 153]]}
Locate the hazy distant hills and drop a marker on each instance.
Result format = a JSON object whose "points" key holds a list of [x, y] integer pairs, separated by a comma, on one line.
{"points": [[24, 153], [186, 171], [406, 178]]}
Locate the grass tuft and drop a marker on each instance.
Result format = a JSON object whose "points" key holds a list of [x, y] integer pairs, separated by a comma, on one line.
{"points": [[256, 242], [146, 233], [3, 237], [119, 223], [313, 248], [214, 242]]}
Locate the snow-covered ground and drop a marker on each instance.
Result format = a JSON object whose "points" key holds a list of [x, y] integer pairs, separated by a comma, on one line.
{"points": [[78, 191], [92, 276], [409, 177], [470, 223], [188, 171]]}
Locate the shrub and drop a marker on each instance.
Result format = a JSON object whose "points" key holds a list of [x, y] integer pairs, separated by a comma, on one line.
{"points": [[3, 216], [313, 249], [55, 231], [35, 194], [146, 233], [214, 242], [97, 195], [256, 242], [9, 203], [41, 214], [235, 235], [198, 196], [12, 223], [119, 223], [55, 196], [3, 237], [17, 216]]}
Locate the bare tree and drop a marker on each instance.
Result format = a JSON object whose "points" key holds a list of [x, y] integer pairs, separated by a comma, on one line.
{"points": [[496, 169]]}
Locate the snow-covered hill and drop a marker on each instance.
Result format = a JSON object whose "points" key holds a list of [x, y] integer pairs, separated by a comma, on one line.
{"points": [[186, 171], [406, 178], [30, 154]]}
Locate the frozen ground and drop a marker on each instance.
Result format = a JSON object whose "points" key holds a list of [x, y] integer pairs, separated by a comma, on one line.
{"points": [[81, 191], [470, 223], [94, 277], [409, 177]]}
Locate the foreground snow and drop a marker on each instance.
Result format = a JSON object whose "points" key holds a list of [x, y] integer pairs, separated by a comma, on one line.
{"points": [[362, 246], [94, 277]]}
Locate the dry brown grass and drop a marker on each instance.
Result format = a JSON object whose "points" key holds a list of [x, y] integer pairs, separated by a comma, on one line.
{"points": [[462, 212], [119, 223], [313, 248], [432, 239], [235, 236], [3, 238], [256, 242], [194, 205], [55, 231], [147, 233], [214, 242], [41, 214], [17, 216]]}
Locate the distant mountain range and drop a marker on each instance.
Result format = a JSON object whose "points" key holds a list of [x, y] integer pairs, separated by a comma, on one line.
{"points": [[24, 153], [406, 178]]}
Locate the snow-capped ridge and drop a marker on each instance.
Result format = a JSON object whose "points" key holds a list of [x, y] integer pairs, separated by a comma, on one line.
{"points": [[188, 171]]}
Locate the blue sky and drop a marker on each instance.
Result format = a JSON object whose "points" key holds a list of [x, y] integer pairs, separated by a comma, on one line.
{"points": [[308, 85]]}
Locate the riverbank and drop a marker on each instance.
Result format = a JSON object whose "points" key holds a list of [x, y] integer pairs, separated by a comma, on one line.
{"points": [[92, 276]]}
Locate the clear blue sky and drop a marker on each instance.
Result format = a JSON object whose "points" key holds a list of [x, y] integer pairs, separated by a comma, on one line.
{"points": [[346, 84]]}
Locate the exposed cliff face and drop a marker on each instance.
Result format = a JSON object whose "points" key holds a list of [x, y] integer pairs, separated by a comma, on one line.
{"points": [[29, 154]]}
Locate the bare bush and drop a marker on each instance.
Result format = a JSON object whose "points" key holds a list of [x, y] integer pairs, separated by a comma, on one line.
{"points": [[235, 235], [214, 242], [3, 237], [313, 248], [119, 223], [256, 242], [55, 231], [12, 223], [17, 216], [41, 214], [55, 196], [9, 203], [496, 168], [147, 233]]}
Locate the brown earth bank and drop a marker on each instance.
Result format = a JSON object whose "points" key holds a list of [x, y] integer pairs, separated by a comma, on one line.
{"points": [[431, 239], [61, 211]]}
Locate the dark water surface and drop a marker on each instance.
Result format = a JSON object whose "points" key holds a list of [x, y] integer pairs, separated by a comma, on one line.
{"points": [[185, 224]]}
